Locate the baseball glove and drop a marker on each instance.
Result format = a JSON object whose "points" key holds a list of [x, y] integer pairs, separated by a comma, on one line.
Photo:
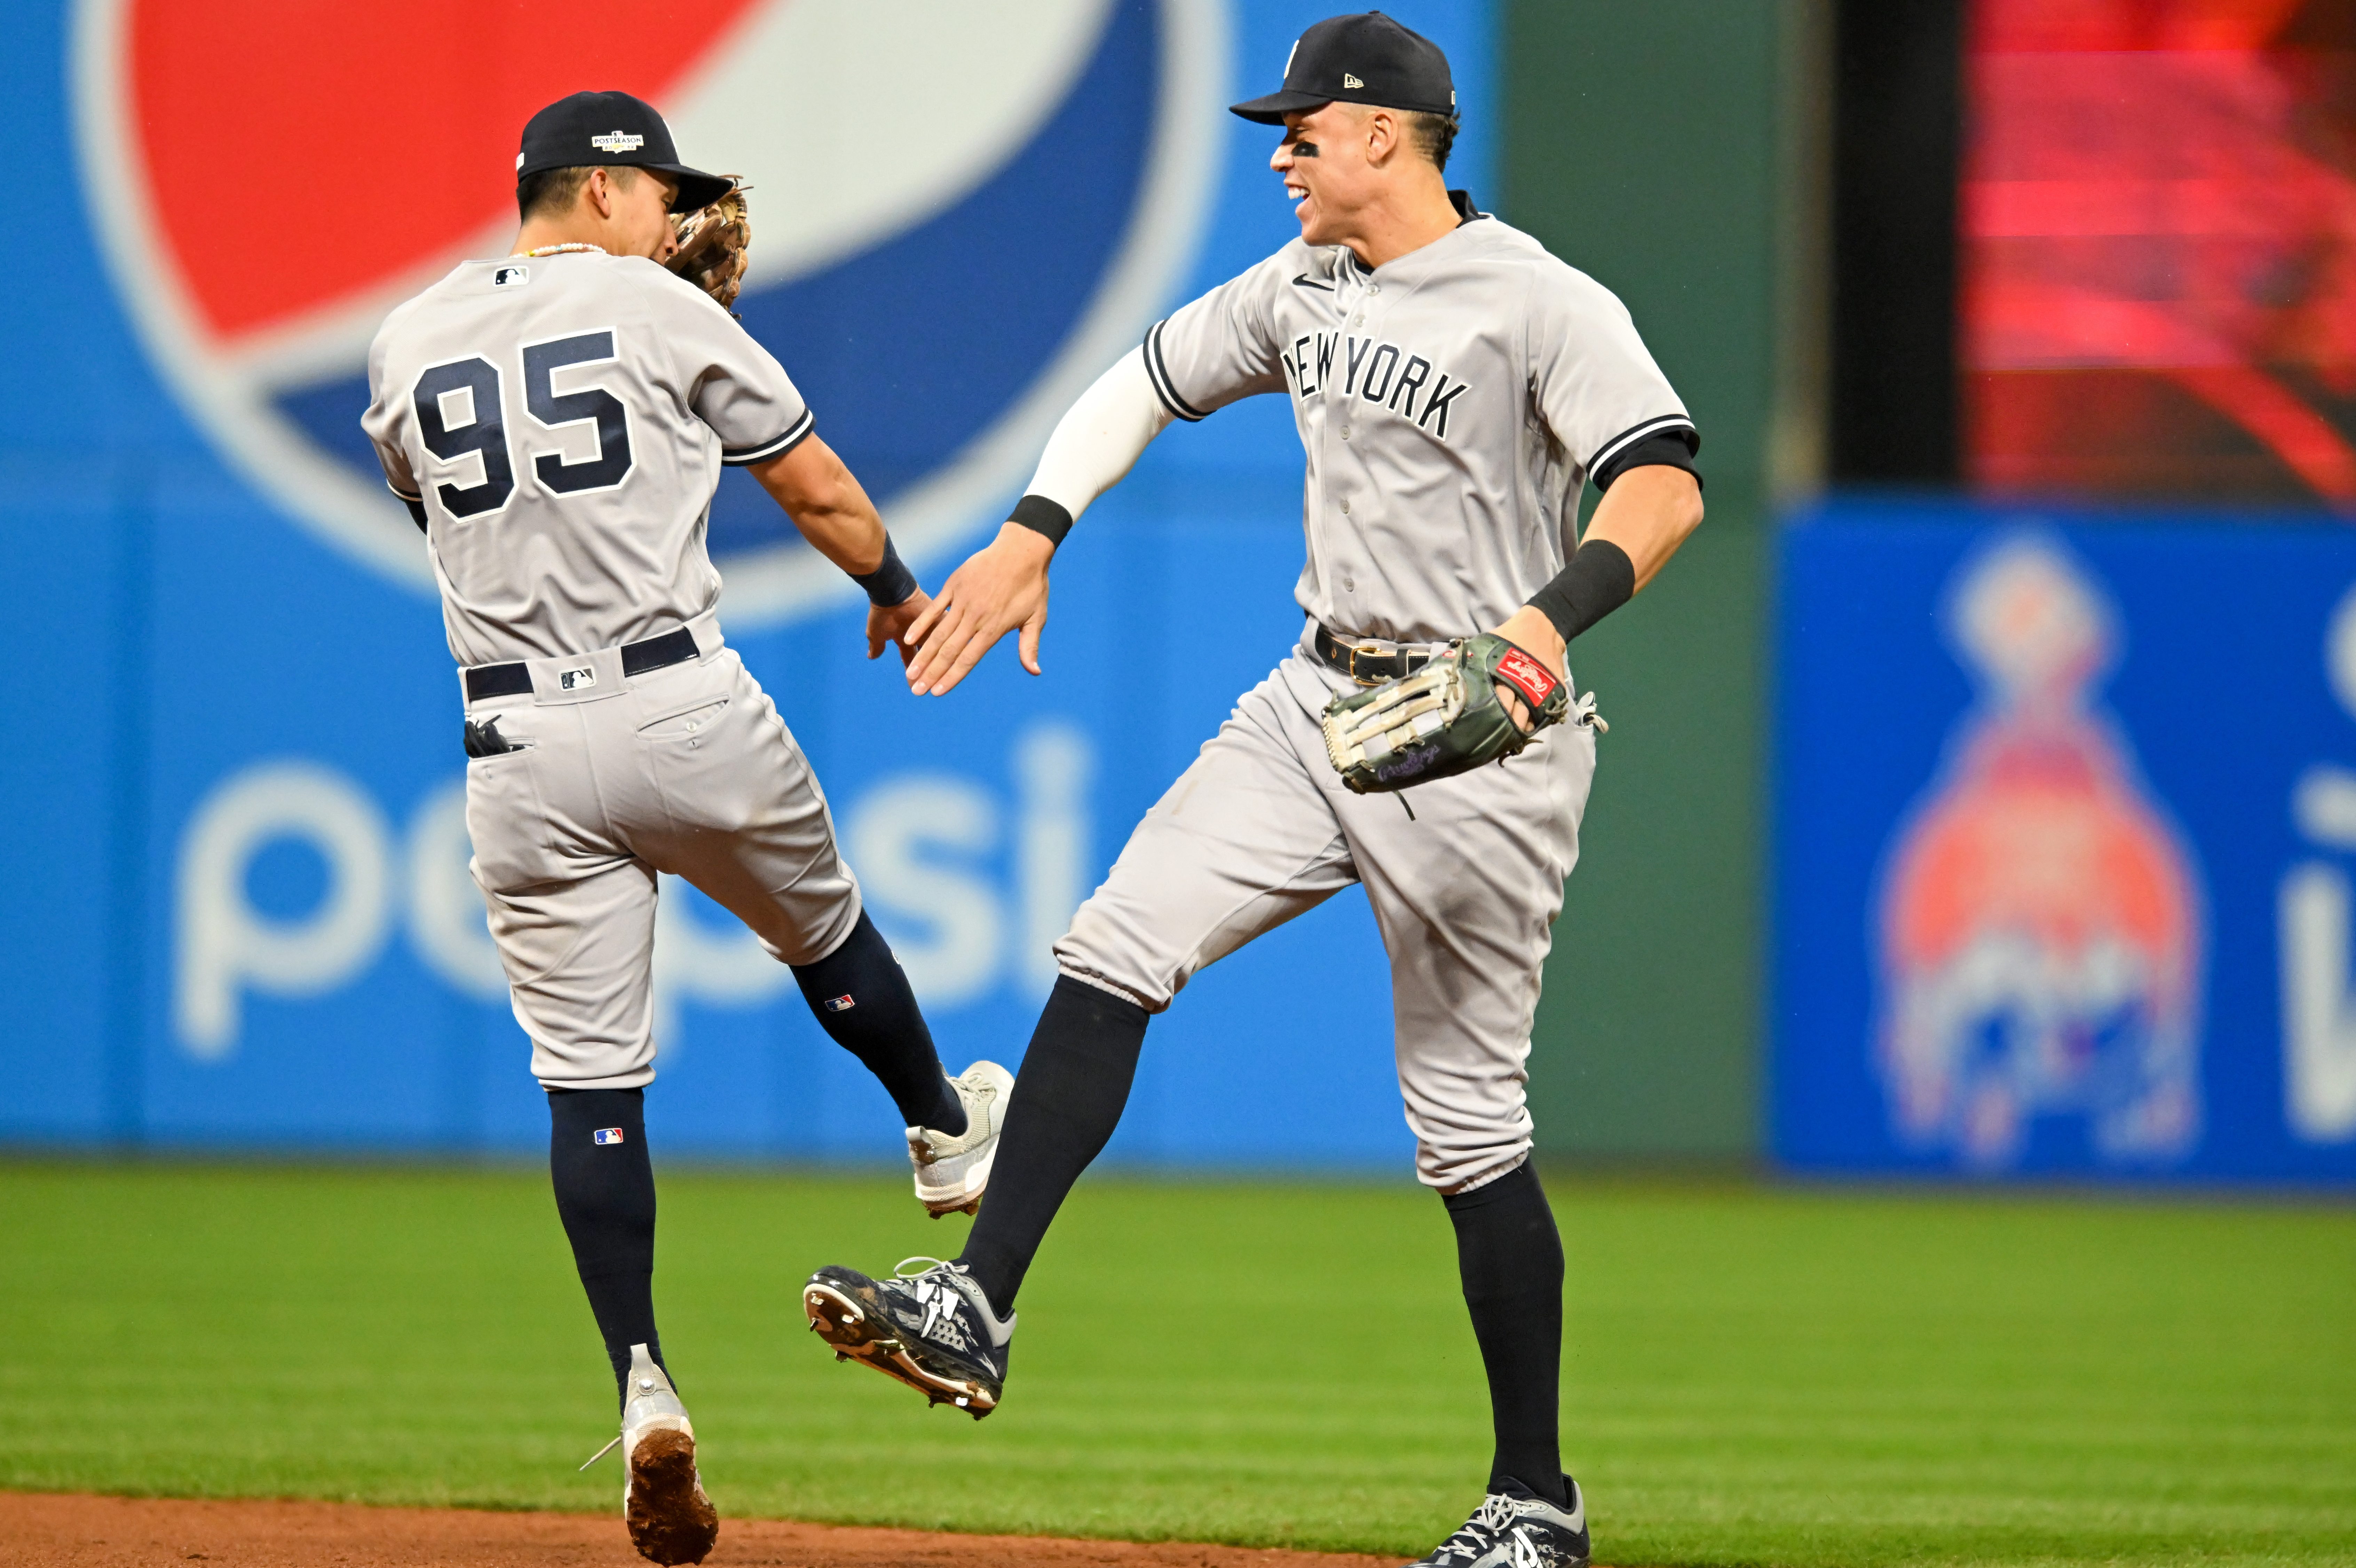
{"points": [[1446, 718], [714, 245]]}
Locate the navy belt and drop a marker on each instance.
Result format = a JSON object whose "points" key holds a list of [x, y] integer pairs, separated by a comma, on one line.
{"points": [[1367, 666], [515, 679]]}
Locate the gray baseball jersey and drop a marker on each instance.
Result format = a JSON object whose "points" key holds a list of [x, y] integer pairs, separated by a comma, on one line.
{"points": [[564, 418], [1452, 403]]}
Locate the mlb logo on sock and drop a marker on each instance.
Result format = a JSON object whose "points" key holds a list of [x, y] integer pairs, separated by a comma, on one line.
{"points": [[607, 1134], [841, 1004]]}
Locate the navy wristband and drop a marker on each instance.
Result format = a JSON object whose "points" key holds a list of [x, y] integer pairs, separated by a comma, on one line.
{"points": [[1599, 579], [1041, 515], [890, 583]]}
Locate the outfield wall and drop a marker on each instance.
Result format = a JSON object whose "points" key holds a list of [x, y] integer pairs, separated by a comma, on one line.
{"points": [[1665, 148], [2066, 808]]}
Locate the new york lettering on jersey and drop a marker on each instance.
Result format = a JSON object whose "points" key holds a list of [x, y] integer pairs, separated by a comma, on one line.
{"points": [[1395, 376], [1450, 403]]}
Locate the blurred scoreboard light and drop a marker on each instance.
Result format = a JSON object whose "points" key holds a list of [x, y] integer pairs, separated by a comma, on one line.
{"points": [[2157, 217]]}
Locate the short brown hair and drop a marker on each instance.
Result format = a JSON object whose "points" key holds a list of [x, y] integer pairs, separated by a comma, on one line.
{"points": [[1435, 134], [551, 193]]}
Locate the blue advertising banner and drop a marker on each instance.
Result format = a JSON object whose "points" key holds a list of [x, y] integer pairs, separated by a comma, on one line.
{"points": [[239, 911], [2066, 826]]}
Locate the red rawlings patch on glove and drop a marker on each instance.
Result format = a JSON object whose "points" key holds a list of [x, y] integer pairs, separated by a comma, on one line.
{"points": [[1526, 676]]}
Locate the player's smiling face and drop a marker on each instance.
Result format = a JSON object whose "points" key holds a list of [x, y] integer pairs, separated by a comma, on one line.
{"points": [[1328, 160]]}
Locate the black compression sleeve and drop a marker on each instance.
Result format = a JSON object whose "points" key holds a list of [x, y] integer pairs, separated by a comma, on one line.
{"points": [[890, 583], [1599, 579], [416, 512], [1041, 515], [1074, 1081], [860, 996], [606, 1195], [1509, 1255]]}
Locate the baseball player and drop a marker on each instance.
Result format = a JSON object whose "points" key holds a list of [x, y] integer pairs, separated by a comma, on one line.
{"points": [[1453, 386], [557, 420]]}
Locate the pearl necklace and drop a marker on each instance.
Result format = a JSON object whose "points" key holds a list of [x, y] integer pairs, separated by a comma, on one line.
{"points": [[560, 250]]}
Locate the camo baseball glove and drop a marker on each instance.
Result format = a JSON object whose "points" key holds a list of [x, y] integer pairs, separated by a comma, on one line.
{"points": [[1446, 718], [714, 246]]}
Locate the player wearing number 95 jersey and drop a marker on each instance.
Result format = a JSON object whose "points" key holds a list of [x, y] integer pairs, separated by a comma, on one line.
{"points": [[556, 421]]}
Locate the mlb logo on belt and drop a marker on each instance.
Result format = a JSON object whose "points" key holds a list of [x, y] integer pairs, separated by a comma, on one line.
{"points": [[266, 349], [574, 680], [608, 1135]]}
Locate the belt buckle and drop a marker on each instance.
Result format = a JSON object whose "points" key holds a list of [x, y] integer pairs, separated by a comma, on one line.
{"points": [[1370, 652]]}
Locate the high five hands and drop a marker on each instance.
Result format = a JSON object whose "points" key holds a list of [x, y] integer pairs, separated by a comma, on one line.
{"points": [[1000, 586]]}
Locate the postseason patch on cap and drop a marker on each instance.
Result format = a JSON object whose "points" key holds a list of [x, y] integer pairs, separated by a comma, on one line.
{"points": [[607, 1134], [617, 141]]}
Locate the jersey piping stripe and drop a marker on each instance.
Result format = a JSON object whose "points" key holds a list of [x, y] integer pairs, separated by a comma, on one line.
{"points": [[1159, 374], [401, 493], [1656, 426], [739, 457]]}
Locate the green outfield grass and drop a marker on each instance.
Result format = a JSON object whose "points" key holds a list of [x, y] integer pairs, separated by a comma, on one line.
{"points": [[1755, 1376]]}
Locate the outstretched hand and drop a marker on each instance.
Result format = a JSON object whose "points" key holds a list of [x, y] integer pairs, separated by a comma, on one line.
{"points": [[1001, 586], [891, 624]]}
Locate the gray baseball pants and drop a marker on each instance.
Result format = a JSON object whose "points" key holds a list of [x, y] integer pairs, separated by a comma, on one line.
{"points": [[1261, 830], [687, 770]]}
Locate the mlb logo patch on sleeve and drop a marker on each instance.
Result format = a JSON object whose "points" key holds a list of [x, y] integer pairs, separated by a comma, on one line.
{"points": [[841, 1004], [607, 1134]]}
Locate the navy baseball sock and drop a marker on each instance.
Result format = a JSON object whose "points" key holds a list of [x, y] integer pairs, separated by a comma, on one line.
{"points": [[1067, 1099], [1510, 1258], [861, 997], [606, 1195]]}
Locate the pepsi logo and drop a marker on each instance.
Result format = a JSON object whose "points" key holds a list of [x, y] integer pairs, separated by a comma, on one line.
{"points": [[962, 213]]}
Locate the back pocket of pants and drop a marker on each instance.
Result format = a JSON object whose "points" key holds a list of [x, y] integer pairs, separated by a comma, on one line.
{"points": [[506, 821], [683, 724]]}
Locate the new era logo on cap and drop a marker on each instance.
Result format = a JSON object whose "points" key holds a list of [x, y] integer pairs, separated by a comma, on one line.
{"points": [[617, 141], [607, 1134], [1388, 65]]}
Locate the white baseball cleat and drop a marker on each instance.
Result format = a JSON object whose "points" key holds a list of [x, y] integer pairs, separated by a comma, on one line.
{"points": [[951, 1172], [663, 1503]]}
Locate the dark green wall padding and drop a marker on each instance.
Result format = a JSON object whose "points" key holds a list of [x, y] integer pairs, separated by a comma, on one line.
{"points": [[1642, 146]]}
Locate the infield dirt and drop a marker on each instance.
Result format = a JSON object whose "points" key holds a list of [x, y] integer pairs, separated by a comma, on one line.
{"points": [[53, 1531]]}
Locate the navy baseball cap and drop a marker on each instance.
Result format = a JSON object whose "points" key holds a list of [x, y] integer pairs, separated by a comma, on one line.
{"points": [[612, 130], [1366, 58]]}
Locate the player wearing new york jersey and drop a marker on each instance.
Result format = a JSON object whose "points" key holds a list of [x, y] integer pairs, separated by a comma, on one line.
{"points": [[1453, 387], [556, 421]]}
